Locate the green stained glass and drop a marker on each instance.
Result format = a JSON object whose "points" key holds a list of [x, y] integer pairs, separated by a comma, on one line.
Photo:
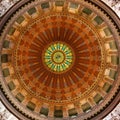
{"points": [[58, 57]]}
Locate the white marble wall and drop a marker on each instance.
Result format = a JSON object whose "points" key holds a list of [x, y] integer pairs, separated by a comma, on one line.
{"points": [[5, 5], [114, 4], [5, 114], [114, 115]]}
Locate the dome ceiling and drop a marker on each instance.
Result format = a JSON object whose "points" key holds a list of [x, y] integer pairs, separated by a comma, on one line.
{"points": [[59, 59]]}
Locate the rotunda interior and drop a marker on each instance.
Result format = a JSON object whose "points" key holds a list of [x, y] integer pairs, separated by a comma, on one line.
{"points": [[59, 59]]}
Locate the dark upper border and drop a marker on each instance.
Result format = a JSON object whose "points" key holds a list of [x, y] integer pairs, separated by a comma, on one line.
{"points": [[116, 98]]}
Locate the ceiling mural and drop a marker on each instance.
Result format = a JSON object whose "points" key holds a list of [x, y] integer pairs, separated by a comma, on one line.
{"points": [[59, 60]]}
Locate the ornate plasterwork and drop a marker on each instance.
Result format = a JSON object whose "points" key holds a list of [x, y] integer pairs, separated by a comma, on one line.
{"points": [[18, 59], [20, 56]]}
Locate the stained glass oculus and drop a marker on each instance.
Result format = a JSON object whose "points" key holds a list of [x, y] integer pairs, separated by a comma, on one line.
{"points": [[58, 57]]}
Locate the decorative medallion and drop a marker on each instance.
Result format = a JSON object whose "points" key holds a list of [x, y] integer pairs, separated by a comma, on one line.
{"points": [[58, 57]]}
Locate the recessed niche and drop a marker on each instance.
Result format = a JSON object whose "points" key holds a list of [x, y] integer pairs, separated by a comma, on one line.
{"points": [[19, 97], [113, 45], [107, 31], [6, 44], [11, 31], [72, 112], [20, 19], [98, 98], [112, 74], [59, 3], [31, 11], [58, 113], [31, 106], [6, 72], [45, 5], [4, 58], [11, 85], [98, 20], [107, 87], [44, 111], [86, 107], [87, 11], [115, 60], [73, 5]]}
